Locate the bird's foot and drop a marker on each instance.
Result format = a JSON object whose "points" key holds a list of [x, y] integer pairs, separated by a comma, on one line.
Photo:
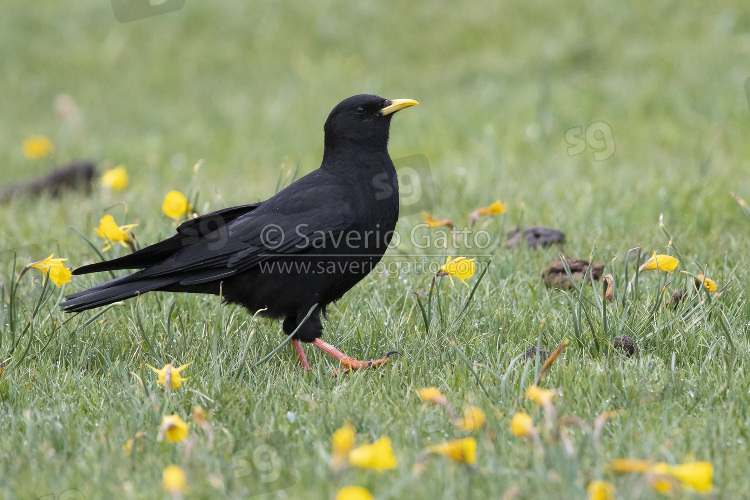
{"points": [[300, 350], [349, 363]]}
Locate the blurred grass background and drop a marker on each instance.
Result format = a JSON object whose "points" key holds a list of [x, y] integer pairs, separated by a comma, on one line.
{"points": [[246, 86]]}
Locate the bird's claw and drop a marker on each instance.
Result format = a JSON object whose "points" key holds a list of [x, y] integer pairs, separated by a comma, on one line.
{"points": [[355, 364]]}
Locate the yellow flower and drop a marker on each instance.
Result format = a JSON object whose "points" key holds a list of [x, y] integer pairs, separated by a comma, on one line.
{"points": [[175, 205], [656, 472], [541, 396], [434, 222], [697, 475], [432, 395], [109, 230], [460, 450], [707, 282], [37, 146], [462, 268], [353, 493], [174, 428], [343, 443], [658, 477], [378, 455], [522, 425], [662, 262], [496, 208], [173, 479], [171, 374], [472, 420], [58, 273], [601, 490], [115, 179], [629, 465]]}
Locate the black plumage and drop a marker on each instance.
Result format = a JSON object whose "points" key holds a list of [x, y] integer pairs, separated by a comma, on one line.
{"points": [[309, 244]]}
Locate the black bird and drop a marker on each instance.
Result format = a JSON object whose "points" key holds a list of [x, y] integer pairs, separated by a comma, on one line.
{"points": [[302, 248]]}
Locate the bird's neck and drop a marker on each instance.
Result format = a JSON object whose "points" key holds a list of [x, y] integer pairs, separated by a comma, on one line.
{"points": [[356, 158]]}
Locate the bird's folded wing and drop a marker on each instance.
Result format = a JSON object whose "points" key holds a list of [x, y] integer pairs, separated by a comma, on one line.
{"points": [[229, 241], [316, 207], [205, 226], [256, 239]]}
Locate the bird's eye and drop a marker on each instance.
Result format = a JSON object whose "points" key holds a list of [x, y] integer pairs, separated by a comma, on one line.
{"points": [[360, 110]]}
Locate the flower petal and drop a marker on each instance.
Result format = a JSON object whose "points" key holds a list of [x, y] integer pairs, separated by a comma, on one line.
{"points": [[175, 204]]}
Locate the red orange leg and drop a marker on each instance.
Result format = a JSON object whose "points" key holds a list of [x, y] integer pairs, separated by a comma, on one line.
{"points": [[349, 362], [300, 350]]}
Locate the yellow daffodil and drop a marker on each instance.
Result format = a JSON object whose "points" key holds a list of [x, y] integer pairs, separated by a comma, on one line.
{"points": [[173, 479], [37, 146], [436, 222], [659, 479], [601, 490], [109, 230], [695, 475], [378, 455], [58, 273], [496, 208], [707, 282], [175, 205], [522, 425], [169, 376], [629, 465], [174, 428], [660, 262], [342, 442], [541, 396], [461, 267], [432, 395], [353, 493], [472, 420], [460, 450], [115, 179], [661, 483]]}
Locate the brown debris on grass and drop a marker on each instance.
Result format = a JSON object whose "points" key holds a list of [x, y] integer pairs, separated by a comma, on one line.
{"points": [[76, 175], [626, 345], [609, 288], [676, 298], [530, 354], [535, 237], [555, 276]]}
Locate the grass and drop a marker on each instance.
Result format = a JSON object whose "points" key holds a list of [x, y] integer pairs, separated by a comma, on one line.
{"points": [[246, 87]]}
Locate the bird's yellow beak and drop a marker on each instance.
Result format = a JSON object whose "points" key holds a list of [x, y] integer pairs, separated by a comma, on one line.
{"points": [[396, 105]]}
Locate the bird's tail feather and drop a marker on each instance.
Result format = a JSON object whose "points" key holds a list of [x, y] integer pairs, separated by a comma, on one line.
{"points": [[113, 291], [144, 257]]}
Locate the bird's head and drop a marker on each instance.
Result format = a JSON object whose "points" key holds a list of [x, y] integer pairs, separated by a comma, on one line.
{"points": [[362, 120]]}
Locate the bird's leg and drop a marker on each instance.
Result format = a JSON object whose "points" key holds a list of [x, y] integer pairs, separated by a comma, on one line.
{"points": [[349, 362], [300, 350], [290, 324]]}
